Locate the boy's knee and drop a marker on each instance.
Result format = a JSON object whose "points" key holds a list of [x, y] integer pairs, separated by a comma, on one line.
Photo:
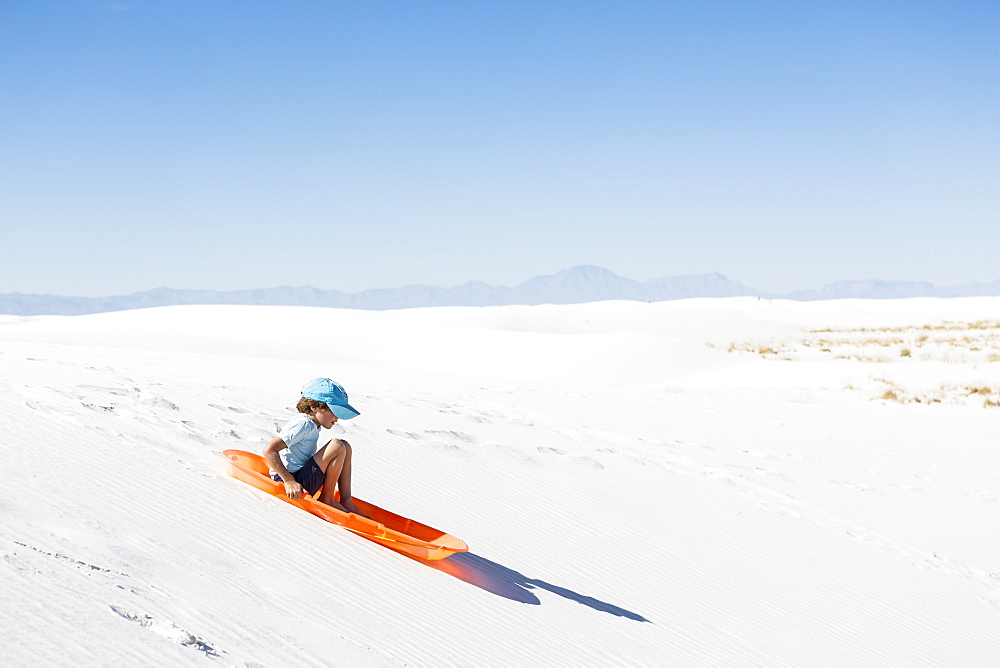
{"points": [[345, 445]]}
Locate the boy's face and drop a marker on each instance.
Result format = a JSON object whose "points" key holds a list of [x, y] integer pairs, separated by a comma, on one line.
{"points": [[324, 417]]}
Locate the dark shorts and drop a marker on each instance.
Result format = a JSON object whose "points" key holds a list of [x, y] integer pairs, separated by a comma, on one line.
{"points": [[309, 476]]}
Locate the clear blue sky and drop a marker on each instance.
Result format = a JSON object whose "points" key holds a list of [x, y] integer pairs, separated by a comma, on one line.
{"points": [[353, 145]]}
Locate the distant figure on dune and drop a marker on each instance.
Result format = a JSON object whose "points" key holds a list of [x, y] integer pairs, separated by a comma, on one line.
{"points": [[297, 460]]}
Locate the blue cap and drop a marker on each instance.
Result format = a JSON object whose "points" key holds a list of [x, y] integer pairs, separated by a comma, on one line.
{"points": [[331, 394]]}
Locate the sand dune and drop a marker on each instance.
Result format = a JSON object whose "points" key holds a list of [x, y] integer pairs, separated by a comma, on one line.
{"points": [[712, 481]]}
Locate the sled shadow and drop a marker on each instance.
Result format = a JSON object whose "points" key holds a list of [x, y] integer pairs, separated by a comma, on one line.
{"points": [[502, 581]]}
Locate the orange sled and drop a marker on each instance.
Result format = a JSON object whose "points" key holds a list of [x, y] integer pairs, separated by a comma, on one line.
{"points": [[393, 531]]}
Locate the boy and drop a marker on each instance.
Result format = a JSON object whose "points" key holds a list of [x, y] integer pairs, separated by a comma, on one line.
{"points": [[295, 456]]}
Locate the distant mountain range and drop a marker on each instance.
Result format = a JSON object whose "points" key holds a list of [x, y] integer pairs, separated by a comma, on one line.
{"points": [[571, 286]]}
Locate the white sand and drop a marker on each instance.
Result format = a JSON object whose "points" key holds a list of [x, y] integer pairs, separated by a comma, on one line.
{"points": [[694, 482]]}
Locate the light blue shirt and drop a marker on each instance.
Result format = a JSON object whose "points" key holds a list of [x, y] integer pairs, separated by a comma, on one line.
{"points": [[301, 435]]}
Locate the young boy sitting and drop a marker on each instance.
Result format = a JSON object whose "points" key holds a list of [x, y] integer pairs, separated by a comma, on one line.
{"points": [[294, 454]]}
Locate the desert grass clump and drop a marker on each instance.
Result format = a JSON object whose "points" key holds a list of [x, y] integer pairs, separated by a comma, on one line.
{"points": [[905, 352], [890, 395]]}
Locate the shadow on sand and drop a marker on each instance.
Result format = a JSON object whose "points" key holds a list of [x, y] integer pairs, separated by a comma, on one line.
{"points": [[502, 581]]}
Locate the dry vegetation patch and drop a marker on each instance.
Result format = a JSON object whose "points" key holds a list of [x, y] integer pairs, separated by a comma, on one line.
{"points": [[946, 393], [973, 346]]}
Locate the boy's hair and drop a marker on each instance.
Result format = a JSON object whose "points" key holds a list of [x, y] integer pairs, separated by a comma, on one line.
{"points": [[307, 405]]}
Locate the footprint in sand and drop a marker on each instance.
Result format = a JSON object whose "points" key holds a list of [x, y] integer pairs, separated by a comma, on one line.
{"points": [[589, 462], [233, 409], [911, 488], [437, 434], [856, 487], [759, 454], [159, 402], [168, 630], [100, 408], [403, 434], [455, 435]]}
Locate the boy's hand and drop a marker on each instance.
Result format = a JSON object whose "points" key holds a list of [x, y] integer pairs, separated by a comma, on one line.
{"points": [[293, 489]]}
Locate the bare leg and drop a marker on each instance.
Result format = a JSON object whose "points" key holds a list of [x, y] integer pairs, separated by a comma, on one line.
{"points": [[330, 458], [344, 482]]}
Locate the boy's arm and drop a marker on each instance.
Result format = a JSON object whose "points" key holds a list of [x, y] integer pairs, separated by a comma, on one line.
{"points": [[292, 488]]}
